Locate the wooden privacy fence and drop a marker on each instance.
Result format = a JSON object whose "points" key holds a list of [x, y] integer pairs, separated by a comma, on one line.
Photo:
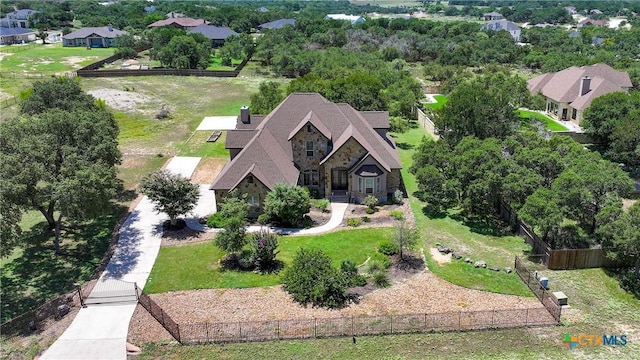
{"points": [[560, 259], [157, 72]]}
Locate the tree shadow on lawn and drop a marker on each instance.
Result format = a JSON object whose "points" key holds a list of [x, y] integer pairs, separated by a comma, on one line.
{"points": [[490, 225], [405, 146], [627, 278], [39, 275]]}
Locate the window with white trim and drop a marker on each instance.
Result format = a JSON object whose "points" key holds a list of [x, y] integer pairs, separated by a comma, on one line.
{"points": [[369, 185], [253, 200], [310, 148]]}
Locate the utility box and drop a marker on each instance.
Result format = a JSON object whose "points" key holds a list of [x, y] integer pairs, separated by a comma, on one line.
{"points": [[544, 282], [560, 298]]}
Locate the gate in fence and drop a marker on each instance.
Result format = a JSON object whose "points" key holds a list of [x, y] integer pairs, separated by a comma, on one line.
{"points": [[111, 291]]}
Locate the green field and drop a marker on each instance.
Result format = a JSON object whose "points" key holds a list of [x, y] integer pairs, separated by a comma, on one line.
{"points": [[441, 100], [196, 266]]}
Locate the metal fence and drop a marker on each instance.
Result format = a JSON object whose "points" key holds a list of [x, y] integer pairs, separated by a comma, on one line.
{"points": [[543, 295], [156, 311], [362, 325]]}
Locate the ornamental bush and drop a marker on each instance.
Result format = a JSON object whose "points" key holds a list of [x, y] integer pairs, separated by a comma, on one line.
{"points": [[264, 246], [312, 279]]}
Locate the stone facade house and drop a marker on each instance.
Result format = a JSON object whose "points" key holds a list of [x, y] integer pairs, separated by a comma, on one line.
{"points": [[570, 91], [332, 149], [18, 19]]}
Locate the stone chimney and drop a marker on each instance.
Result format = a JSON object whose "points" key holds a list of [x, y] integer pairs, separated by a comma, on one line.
{"points": [[585, 85], [244, 115]]}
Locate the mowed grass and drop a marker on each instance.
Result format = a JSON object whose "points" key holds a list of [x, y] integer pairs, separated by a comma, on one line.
{"points": [[196, 266], [441, 101], [549, 123], [197, 145], [494, 250], [49, 58]]}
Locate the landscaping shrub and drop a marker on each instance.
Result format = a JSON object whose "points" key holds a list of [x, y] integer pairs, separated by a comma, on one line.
{"points": [[215, 221], [350, 271], [263, 219], [370, 211], [397, 214], [381, 259], [398, 196], [366, 219], [388, 248], [355, 222], [322, 204], [371, 202], [380, 278], [287, 204], [264, 246], [312, 279], [234, 211]]}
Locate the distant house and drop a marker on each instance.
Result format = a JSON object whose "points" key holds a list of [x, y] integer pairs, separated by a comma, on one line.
{"points": [[353, 19], [332, 149], [95, 37], [276, 24], [596, 40], [570, 91], [505, 25], [16, 35], [574, 34], [149, 9], [595, 12], [587, 22], [179, 22], [216, 34], [18, 18], [571, 10], [172, 15], [263, 9], [492, 16]]}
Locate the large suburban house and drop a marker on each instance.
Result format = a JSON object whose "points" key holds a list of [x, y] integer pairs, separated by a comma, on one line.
{"points": [[591, 22], [492, 16], [332, 149], [497, 25], [570, 91], [18, 18], [353, 19], [92, 37], [217, 34], [278, 24]]}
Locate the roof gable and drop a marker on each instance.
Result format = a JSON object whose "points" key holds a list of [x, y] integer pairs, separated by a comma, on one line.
{"points": [[213, 32], [312, 119], [104, 32]]}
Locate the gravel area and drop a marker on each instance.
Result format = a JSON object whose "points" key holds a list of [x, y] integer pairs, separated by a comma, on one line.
{"points": [[420, 293]]}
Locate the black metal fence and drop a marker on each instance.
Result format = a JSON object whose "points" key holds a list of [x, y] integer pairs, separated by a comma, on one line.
{"points": [[163, 318], [362, 325], [534, 284]]}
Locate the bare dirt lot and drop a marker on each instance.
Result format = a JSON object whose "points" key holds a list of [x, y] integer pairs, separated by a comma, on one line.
{"points": [[121, 100]]}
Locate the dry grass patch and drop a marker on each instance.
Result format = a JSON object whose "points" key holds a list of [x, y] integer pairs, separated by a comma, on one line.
{"points": [[207, 170]]}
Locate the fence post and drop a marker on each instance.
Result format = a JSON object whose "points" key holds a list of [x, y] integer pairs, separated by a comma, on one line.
{"points": [[492, 313], [206, 327], [315, 327], [240, 330], [425, 321], [178, 333], [278, 328], [459, 320], [526, 317], [353, 333], [135, 285], [391, 320]]}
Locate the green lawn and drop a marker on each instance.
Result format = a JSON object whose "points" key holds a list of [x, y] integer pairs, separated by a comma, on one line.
{"points": [[197, 145], [549, 123], [441, 101], [196, 266], [49, 58]]}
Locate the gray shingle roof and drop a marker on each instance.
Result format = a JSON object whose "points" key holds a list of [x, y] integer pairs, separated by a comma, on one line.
{"points": [[100, 31], [500, 25], [269, 151], [213, 32], [277, 24], [7, 31]]}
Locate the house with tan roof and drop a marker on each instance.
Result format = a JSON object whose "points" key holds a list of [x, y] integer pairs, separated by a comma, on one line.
{"points": [[332, 149], [570, 91]]}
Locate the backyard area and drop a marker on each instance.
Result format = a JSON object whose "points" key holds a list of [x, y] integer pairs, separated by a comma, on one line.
{"points": [[550, 124]]}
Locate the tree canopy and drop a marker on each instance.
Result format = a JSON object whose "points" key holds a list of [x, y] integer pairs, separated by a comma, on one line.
{"points": [[59, 157], [172, 194]]}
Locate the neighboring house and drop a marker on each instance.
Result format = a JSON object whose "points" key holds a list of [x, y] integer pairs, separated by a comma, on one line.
{"points": [[16, 35], [216, 34], [595, 40], [574, 34], [92, 37], [595, 12], [571, 10], [276, 24], [179, 22], [571, 90], [492, 16], [353, 19], [171, 15], [587, 22], [505, 25], [263, 9], [18, 18], [332, 149], [149, 9]]}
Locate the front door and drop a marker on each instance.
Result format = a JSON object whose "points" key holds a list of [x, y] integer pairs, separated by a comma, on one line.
{"points": [[564, 114], [338, 179]]}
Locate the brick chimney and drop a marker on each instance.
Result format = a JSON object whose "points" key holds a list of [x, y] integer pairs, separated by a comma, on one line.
{"points": [[585, 85], [245, 117]]}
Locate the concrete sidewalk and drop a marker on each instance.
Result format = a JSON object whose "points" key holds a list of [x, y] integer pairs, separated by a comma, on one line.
{"points": [[100, 331]]}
